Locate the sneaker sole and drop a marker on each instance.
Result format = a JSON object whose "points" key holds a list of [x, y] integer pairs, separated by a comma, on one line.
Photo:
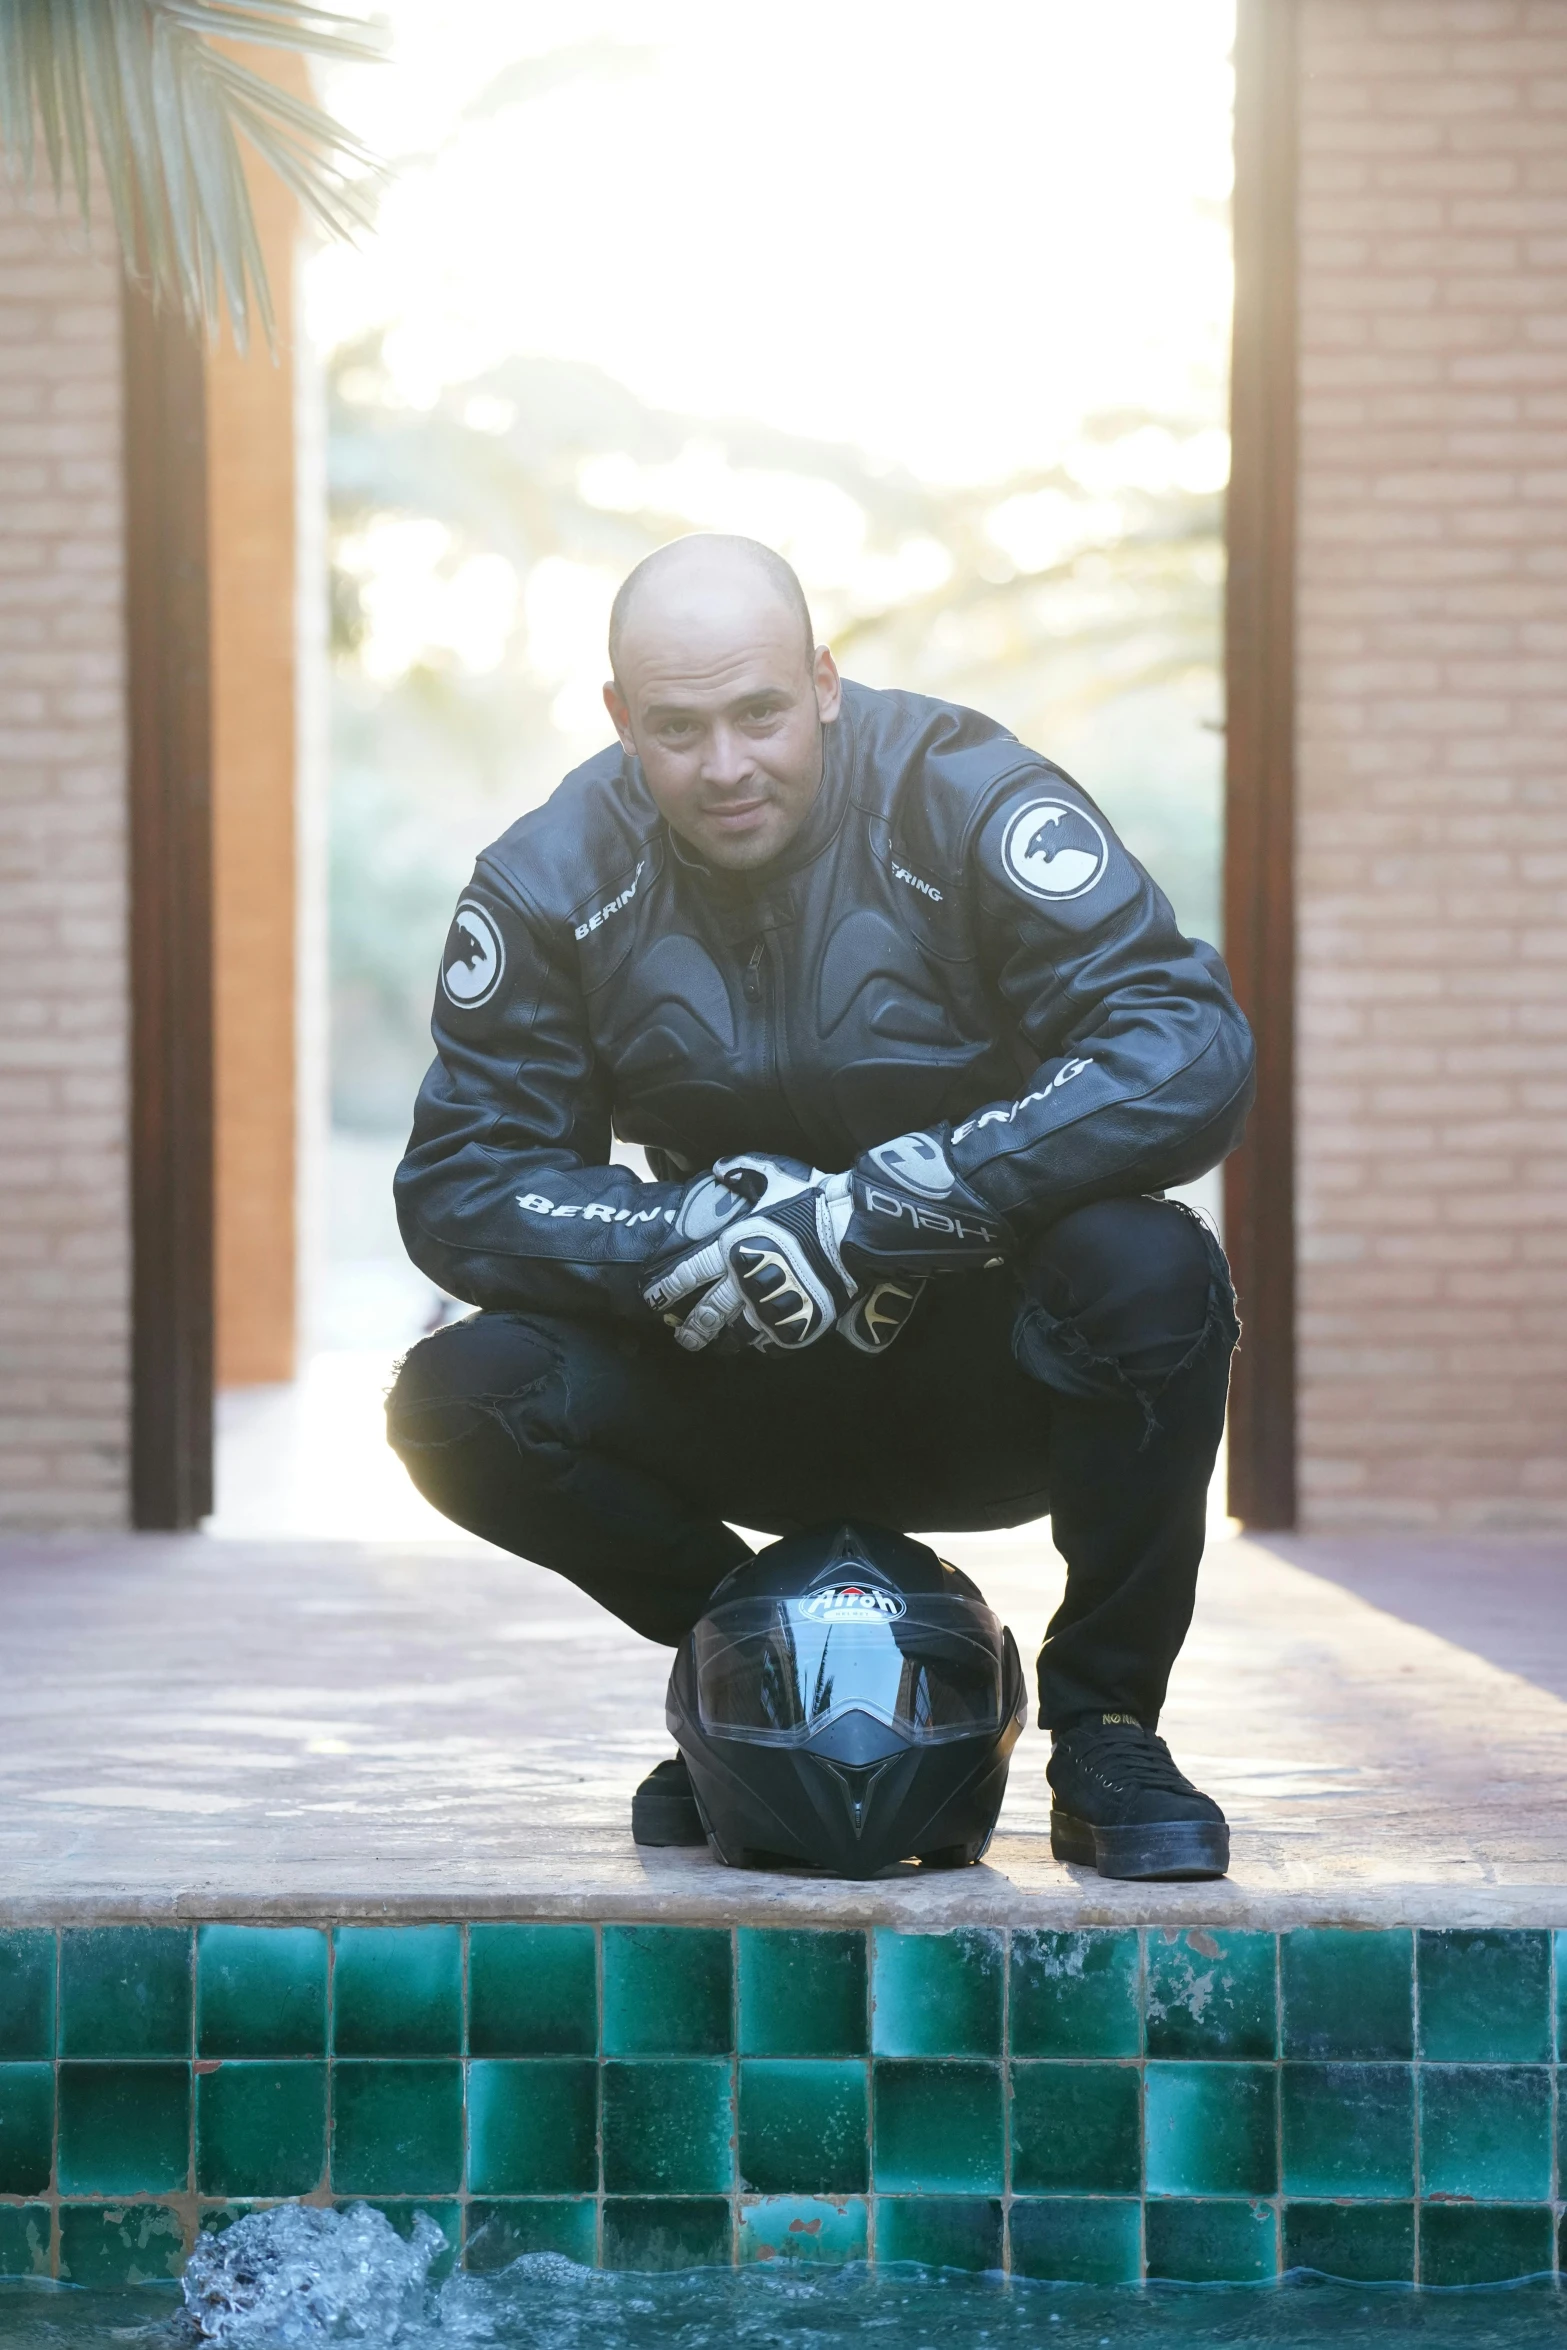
{"points": [[661, 1819], [1177, 1850]]}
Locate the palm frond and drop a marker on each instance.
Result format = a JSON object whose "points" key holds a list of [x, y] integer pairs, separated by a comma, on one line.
{"points": [[141, 81]]}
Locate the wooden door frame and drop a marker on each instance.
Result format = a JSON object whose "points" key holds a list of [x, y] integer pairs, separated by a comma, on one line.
{"points": [[170, 822], [1259, 879]]}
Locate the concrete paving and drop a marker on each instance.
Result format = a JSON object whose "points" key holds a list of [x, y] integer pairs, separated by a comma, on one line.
{"points": [[197, 1728]]}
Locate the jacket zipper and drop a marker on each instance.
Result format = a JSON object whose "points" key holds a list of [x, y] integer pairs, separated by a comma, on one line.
{"points": [[760, 992], [777, 1033], [768, 950], [756, 991]]}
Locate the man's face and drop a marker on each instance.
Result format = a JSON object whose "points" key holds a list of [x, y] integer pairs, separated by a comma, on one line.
{"points": [[719, 699]]}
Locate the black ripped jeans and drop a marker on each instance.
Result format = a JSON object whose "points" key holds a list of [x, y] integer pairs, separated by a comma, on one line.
{"points": [[1092, 1387]]}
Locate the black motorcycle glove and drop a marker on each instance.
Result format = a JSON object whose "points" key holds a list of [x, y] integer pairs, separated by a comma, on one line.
{"points": [[878, 1313], [905, 1211]]}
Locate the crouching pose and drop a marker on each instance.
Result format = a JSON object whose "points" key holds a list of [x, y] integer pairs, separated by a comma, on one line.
{"points": [[912, 1045]]}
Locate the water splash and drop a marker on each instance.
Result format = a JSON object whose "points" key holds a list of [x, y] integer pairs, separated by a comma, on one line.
{"points": [[301, 2278], [298, 2276]]}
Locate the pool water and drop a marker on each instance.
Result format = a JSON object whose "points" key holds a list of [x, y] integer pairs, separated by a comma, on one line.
{"points": [[545, 2303]]}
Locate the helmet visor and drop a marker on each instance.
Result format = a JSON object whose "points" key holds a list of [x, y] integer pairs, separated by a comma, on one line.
{"points": [[777, 1671]]}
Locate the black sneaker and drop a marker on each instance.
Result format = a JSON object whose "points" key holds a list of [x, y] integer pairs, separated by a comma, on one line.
{"points": [[663, 1809], [1119, 1805]]}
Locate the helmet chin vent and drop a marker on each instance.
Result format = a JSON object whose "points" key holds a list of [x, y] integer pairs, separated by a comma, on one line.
{"points": [[858, 1786], [858, 1739]]}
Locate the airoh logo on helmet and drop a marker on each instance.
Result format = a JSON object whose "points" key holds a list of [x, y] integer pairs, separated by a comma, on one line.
{"points": [[850, 1602]]}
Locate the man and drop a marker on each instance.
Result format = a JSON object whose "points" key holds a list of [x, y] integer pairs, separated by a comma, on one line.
{"points": [[912, 1045]]}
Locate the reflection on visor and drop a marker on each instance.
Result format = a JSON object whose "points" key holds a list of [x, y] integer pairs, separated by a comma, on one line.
{"points": [[776, 1671]]}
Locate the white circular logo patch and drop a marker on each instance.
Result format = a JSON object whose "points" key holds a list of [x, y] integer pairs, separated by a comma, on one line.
{"points": [[474, 962], [1054, 850]]}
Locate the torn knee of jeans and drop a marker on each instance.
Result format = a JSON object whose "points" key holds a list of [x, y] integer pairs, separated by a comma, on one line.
{"points": [[425, 1427], [432, 1423], [1053, 1349]]}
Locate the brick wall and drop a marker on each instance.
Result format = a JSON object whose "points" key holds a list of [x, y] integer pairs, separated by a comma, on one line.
{"points": [[1433, 763], [64, 1242]]}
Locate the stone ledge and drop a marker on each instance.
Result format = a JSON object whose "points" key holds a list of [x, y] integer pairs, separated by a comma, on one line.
{"points": [[690, 1889], [193, 1729]]}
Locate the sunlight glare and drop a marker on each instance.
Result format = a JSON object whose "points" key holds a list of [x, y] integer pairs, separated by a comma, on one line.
{"points": [[698, 199]]}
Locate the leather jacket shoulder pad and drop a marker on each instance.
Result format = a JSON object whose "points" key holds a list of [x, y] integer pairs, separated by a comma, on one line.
{"points": [[567, 859]]}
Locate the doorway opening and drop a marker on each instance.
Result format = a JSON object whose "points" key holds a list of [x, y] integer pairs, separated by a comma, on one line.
{"points": [[944, 314]]}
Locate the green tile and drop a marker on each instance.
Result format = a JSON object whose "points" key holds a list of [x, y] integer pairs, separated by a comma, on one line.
{"points": [[396, 2128], [802, 1993], [533, 2126], [1211, 2243], [1483, 2244], [499, 2233], [1485, 1997], [1211, 2129], [1076, 2129], [667, 1991], [25, 2239], [261, 2129], [1485, 2132], [1211, 1994], [1348, 2129], [532, 1991], [1071, 2241], [814, 2231], [1074, 1994], [687, 2232], [1348, 1994], [106, 2245], [260, 1991], [125, 1991], [404, 2211], [668, 2127], [938, 2128], [397, 1990], [1366, 2243], [804, 2125], [26, 2128], [937, 1994], [941, 2231], [215, 2219], [1561, 1994], [124, 2128], [27, 1964]]}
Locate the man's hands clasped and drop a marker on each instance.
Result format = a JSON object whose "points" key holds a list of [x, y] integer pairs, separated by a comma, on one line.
{"points": [[774, 1253], [771, 1266]]}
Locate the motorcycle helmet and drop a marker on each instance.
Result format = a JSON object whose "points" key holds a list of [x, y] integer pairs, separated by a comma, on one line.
{"points": [[848, 1700]]}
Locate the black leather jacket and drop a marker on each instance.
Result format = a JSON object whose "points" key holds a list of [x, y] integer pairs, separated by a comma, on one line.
{"points": [[953, 942]]}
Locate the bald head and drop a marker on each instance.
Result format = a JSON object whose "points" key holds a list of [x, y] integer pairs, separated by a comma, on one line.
{"points": [[692, 575], [721, 693]]}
